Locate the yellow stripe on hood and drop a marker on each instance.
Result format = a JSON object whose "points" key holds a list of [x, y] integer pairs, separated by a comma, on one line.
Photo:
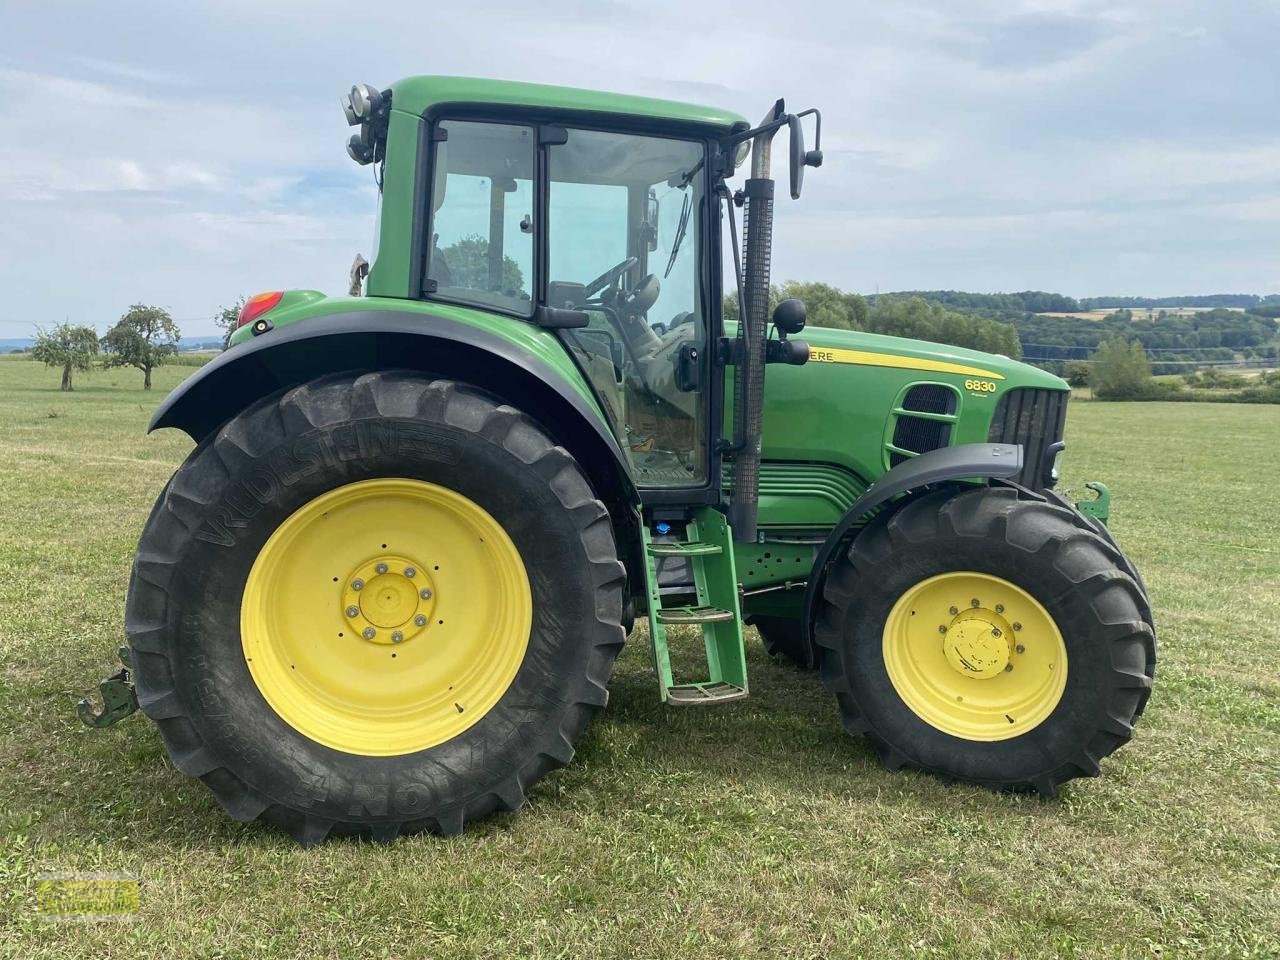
{"points": [[868, 359]]}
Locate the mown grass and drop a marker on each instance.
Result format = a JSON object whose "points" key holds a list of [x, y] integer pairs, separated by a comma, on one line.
{"points": [[755, 830]]}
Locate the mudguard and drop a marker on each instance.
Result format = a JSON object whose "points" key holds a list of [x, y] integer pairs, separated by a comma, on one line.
{"points": [[966, 461], [385, 339]]}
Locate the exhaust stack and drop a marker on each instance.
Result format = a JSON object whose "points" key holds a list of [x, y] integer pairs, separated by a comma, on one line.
{"points": [[748, 379]]}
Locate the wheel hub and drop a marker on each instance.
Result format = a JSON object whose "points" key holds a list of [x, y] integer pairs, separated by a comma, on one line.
{"points": [[974, 655], [977, 644], [390, 595], [386, 616]]}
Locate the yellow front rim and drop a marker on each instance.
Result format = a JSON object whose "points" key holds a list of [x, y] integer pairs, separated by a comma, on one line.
{"points": [[386, 616], [975, 656]]}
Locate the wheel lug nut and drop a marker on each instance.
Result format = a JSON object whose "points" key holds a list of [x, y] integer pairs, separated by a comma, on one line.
{"points": [[381, 568], [369, 633], [942, 628], [420, 620], [953, 611], [409, 571], [974, 603], [357, 584], [999, 608], [1017, 626], [424, 593], [1008, 667], [1020, 648], [353, 611], [995, 632], [397, 637]]}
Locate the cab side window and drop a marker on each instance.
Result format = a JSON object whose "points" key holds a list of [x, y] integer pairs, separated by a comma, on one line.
{"points": [[481, 246]]}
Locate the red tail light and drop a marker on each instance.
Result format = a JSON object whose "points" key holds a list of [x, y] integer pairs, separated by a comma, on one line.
{"points": [[257, 305]]}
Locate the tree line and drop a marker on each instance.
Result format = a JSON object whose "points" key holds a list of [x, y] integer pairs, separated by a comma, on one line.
{"points": [[1121, 370], [899, 315]]}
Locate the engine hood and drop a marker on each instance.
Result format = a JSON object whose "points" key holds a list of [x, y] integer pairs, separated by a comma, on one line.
{"points": [[855, 347]]}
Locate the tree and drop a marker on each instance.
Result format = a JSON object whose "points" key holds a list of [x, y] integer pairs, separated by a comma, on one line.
{"points": [[468, 262], [68, 347], [145, 337], [1120, 370], [827, 306], [897, 316], [1076, 373], [919, 319], [226, 318]]}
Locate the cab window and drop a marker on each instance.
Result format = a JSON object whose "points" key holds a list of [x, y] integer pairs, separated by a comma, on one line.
{"points": [[480, 250], [625, 215]]}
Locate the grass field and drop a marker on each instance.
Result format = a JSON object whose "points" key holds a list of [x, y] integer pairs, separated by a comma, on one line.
{"points": [[754, 830]]}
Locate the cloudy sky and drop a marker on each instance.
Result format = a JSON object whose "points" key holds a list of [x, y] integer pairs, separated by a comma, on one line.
{"points": [[184, 154]]}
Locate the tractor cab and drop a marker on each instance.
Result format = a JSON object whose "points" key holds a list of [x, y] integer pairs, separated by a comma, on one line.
{"points": [[599, 218], [624, 258]]}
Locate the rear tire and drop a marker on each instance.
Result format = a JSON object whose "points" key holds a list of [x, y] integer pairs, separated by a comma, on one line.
{"points": [[216, 519], [1049, 558]]}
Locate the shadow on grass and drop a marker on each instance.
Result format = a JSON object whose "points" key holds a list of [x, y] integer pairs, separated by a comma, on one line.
{"points": [[118, 785]]}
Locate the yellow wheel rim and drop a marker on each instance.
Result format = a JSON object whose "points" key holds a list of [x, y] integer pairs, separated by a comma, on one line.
{"points": [[386, 616], [975, 656]]}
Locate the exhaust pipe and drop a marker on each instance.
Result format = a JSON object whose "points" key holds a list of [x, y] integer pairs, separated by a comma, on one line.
{"points": [[748, 379]]}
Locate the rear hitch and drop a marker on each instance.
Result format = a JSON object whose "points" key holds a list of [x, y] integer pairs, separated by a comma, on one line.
{"points": [[118, 698], [1100, 506]]}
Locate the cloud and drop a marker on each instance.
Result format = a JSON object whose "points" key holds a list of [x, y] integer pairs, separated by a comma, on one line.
{"points": [[188, 154]]}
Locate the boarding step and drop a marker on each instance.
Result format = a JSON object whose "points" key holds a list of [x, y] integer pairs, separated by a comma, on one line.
{"points": [[707, 547], [675, 615], [670, 548], [694, 694]]}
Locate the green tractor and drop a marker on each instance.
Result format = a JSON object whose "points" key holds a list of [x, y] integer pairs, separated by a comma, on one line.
{"points": [[386, 590]]}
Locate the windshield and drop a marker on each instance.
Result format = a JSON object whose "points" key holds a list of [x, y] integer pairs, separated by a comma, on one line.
{"points": [[624, 230]]}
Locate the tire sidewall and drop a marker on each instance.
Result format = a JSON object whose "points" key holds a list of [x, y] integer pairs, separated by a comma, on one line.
{"points": [[1056, 740]]}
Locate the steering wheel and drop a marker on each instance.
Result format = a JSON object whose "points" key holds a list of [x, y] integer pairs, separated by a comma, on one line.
{"points": [[610, 277]]}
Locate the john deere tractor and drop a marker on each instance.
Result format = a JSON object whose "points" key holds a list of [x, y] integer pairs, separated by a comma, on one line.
{"points": [[386, 590]]}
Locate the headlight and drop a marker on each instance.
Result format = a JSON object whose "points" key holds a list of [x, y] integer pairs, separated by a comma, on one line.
{"points": [[1055, 452]]}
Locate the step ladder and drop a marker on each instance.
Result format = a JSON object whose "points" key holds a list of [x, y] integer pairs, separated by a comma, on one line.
{"points": [[708, 548]]}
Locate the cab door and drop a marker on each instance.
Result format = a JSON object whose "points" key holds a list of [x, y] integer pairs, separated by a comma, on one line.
{"points": [[626, 242]]}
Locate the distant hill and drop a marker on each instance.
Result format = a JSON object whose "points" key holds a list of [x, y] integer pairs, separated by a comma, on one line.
{"points": [[10, 344], [1039, 301]]}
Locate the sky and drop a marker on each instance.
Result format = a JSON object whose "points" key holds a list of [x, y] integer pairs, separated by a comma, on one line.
{"points": [[186, 154]]}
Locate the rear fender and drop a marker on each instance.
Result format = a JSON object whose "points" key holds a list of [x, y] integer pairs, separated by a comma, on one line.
{"points": [[382, 339]]}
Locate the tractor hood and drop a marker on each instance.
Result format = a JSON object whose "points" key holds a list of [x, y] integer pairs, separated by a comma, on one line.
{"points": [[863, 397], [854, 347]]}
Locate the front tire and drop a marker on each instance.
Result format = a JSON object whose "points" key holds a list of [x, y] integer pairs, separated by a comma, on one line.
{"points": [[784, 638], [986, 637], [375, 604]]}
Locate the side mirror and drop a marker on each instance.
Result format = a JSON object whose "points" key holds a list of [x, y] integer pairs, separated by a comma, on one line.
{"points": [[800, 157], [797, 156], [789, 316]]}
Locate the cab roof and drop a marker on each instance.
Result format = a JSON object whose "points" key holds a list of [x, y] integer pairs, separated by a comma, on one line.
{"points": [[416, 95]]}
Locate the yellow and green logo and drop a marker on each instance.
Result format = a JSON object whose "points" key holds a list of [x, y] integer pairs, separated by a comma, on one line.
{"points": [[86, 896]]}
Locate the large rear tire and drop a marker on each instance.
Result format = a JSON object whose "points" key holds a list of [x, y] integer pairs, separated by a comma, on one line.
{"points": [[375, 604], [986, 636]]}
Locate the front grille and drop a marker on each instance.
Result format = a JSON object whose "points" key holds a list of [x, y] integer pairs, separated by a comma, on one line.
{"points": [[1035, 419]]}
